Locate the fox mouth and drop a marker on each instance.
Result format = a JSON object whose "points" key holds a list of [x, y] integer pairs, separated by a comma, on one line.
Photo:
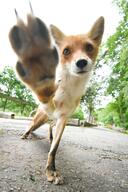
{"points": [[82, 72]]}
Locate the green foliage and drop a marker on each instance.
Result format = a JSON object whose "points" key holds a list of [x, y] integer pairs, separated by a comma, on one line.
{"points": [[117, 58], [92, 97], [18, 98], [109, 115], [78, 114], [89, 99]]}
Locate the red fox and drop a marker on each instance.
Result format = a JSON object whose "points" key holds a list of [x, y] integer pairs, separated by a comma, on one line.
{"points": [[58, 74]]}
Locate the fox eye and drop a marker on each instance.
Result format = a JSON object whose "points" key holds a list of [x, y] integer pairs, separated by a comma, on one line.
{"points": [[66, 51], [89, 47]]}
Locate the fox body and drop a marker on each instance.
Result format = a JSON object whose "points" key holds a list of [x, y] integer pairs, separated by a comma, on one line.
{"points": [[58, 75]]}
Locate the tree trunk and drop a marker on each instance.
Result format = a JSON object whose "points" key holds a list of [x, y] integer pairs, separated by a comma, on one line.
{"points": [[5, 103], [22, 109], [90, 118]]}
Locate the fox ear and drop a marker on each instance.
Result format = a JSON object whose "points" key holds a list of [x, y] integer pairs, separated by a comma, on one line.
{"points": [[57, 34], [97, 30]]}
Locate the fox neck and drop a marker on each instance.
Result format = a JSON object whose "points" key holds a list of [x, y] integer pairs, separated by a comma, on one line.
{"points": [[74, 82]]}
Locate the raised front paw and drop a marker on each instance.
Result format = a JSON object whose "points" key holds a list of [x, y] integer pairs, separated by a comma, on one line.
{"points": [[37, 58]]}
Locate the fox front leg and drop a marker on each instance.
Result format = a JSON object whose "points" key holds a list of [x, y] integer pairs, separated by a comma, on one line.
{"points": [[37, 58]]}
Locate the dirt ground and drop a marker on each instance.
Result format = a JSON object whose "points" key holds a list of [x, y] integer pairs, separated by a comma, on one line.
{"points": [[90, 160]]}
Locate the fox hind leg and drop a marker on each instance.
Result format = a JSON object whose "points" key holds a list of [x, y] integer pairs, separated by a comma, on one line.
{"points": [[39, 119]]}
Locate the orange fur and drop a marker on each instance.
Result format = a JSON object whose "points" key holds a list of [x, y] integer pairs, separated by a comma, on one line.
{"points": [[58, 87]]}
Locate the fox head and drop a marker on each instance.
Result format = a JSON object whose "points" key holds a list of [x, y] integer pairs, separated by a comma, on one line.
{"points": [[78, 53]]}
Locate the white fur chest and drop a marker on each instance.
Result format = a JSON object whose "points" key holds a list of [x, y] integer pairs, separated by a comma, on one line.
{"points": [[70, 88]]}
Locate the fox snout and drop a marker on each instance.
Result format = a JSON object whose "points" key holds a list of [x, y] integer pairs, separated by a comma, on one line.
{"points": [[81, 64]]}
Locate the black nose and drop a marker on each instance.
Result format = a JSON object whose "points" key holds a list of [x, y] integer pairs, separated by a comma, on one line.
{"points": [[81, 63]]}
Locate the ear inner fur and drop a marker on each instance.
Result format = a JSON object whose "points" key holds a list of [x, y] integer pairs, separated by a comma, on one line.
{"points": [[97, 30], [57, 34]]}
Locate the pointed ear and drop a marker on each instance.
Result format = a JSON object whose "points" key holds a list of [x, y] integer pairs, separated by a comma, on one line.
{"points": [[97, 30], [57, 34]]}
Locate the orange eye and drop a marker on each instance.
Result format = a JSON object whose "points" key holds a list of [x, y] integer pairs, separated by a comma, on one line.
{"points": [[66, 51], [89, 47]]}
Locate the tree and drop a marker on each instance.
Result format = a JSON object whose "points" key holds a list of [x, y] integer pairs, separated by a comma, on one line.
{"points": [[14, 95], [117, 58], [89, 100], [95, 90], [109, 114]]}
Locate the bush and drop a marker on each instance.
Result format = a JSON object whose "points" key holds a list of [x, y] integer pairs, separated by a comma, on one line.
{"points": [[78, 114]]}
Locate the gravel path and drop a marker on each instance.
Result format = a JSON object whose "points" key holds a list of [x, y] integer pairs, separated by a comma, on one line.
{"points": [[90, 159]]}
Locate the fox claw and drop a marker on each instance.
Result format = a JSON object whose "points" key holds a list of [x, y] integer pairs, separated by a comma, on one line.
{"points": [[38, 59]]}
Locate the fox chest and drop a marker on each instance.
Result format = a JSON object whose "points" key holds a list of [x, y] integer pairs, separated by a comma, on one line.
{"points": [[66, 101], [63, 103]]}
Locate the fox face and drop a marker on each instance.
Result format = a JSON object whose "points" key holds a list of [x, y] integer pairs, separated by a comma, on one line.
{"points": [[78, 53]]}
